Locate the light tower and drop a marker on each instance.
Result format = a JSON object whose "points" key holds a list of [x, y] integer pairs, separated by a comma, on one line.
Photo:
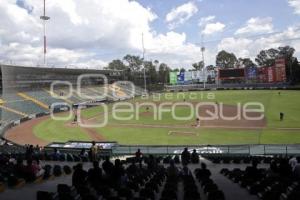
{"points": [[145, 82], [203, 69], [45, 18]]}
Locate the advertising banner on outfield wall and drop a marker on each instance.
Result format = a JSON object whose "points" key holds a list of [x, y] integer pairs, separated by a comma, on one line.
{"points": [[173, 78], [195, 75], [187, 77], [251, 72], [271, 74], [280, 68], [180, 78], [191, 77]]}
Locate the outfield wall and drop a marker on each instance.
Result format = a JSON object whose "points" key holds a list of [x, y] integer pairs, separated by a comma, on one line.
{"points": [[244, 86]]}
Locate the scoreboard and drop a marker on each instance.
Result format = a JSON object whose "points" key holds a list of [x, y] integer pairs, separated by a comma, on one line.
{"points": [[234, 73]]}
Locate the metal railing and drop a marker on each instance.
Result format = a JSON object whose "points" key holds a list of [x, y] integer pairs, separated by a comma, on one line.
{"points": [[266, 149]]}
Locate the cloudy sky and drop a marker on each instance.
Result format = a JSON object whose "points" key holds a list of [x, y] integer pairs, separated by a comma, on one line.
{"points": [[90, 33]]}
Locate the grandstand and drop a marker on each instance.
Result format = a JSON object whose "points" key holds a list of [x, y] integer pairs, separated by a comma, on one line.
{"points": [[161, 173], [26, 90], [157, 100]]}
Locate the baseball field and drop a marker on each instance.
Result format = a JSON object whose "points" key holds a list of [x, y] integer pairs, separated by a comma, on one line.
{"points": [[154, 120]]}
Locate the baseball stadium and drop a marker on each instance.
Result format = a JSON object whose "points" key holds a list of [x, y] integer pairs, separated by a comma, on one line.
{"points": [[27, 99], [119, 101]]}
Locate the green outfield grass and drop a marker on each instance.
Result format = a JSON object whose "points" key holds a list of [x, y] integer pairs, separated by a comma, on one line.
{"points": [[287, 102]]}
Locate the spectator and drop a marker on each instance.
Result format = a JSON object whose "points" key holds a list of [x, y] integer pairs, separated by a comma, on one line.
{"points": [[83, 154], [37, 149], [79, 177], [56, 154], [284, 168], [94, 152], [107, 166], [30, 171], [95, 174], [37, 168], [203, 173], [19, 168], [293, 162], [172, 170], [138, 157], [185, 171], [29, 152], [185, 156], [296, 170], [252, 171], [195, 157], [119, 173], [151, 163], [273, 170], [132, 168]]}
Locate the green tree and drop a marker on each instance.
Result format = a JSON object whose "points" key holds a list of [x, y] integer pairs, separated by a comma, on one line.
{"points": [[163, 73], [226, 60], [182, 70], [134, 62], [245, 62], [287, 53], [267, 57], [116, 65], [150, 71], [210, 67], [198, 65]]}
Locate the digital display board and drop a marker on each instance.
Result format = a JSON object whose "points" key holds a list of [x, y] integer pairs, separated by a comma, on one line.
{"points": [[231, 73]]}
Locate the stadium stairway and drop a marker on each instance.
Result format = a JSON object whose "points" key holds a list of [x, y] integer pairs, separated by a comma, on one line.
{"points": [[118, 90], [34, 100], [13, 111], [9, 114], [231, 190], [92, 92], [43, 97]]}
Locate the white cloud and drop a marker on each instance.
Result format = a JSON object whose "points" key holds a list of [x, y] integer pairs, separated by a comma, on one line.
{"points": [[296, 5], [204, 20], [210, 26], [181, 14], [213, 28], [250, 47], [256, 25], [79, 32]]}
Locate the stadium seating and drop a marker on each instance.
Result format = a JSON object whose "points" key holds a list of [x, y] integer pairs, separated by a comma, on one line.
{"points": [[154, 178], [7, 116], [16, 102], [43, 96], [273, 183], [17, 105]]}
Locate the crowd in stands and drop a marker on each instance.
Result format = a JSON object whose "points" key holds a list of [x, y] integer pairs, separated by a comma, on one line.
{"points": [[16, 169], [150, 177], [140, 177], [136, 178]]}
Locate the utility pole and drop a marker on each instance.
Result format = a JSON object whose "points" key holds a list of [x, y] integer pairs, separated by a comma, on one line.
{"points": [[45, 18], [145, 82]]}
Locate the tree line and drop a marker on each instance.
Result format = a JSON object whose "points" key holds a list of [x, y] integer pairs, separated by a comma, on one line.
{"points": [[133, 69], [265, 58], [157, 73]]}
